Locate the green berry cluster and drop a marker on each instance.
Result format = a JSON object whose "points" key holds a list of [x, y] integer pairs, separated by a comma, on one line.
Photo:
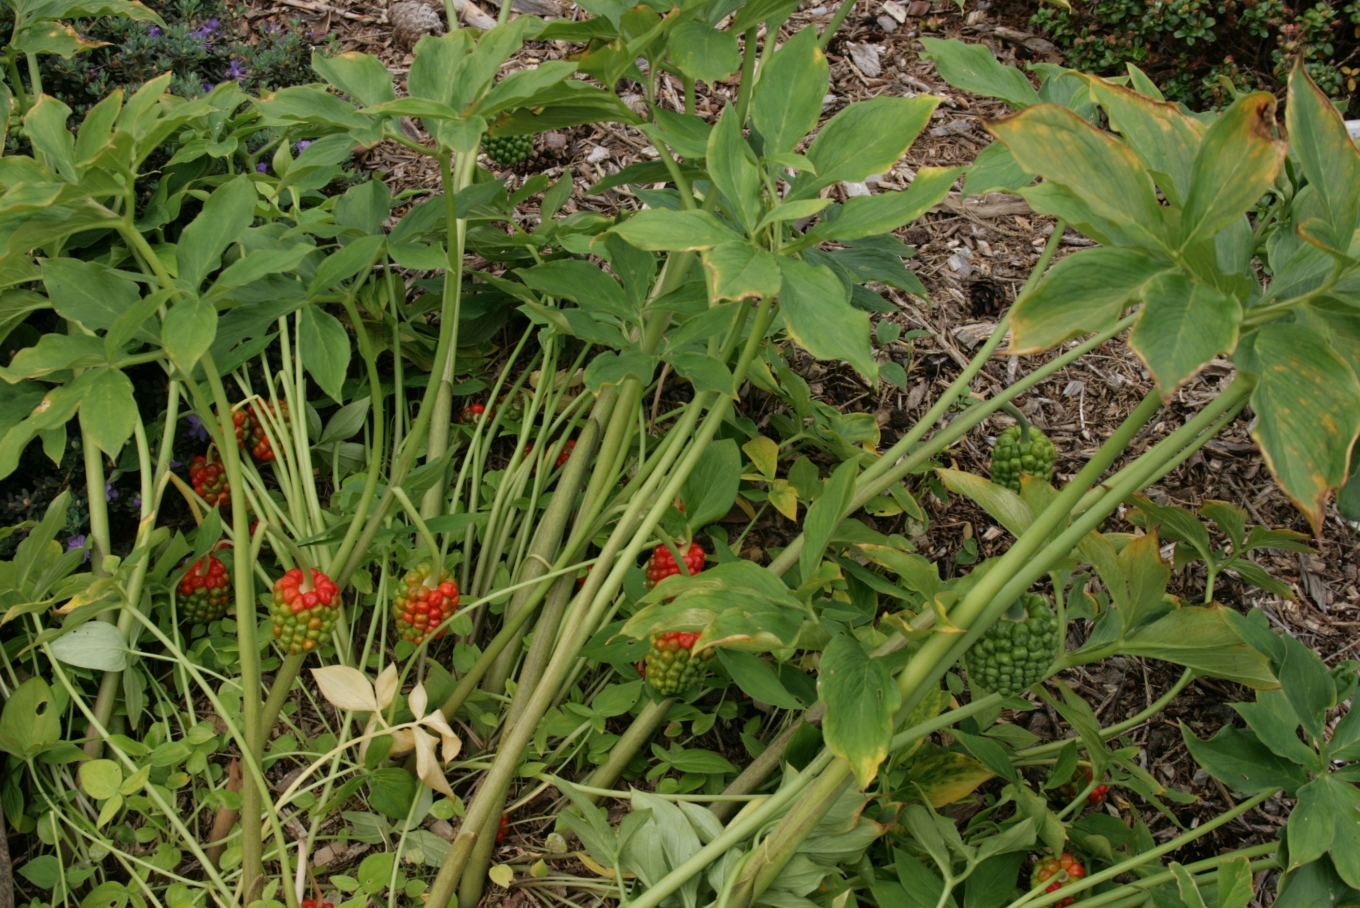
{"points": [[303, 614], [1017, 651], [508, 150], [1012, 456], [671, 667], [205, 591]]}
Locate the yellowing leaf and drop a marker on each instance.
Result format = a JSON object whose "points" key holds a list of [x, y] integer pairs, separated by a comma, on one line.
{"points": [[944, 778], [764, 453], [784, 497], [502, 875], [385, 688], [346, 688], [427, 765]]}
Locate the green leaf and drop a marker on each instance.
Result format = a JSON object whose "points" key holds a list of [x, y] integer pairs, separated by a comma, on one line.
{"points": [[1083, 293], [391, 792], [1307, 403], [711, 488], [44, 871], [361, 76], [435, 67], [1006, 507], [821, 320], [189, 331], [866, 137], [31, 720], [1200, 638], [345, 263], [972, 68], [1274, 721], [1325, 152], [989, 753], [703, 52], [861, 699], [226, 214], [1164, 139], [659, 230], [754, 676], [1312, 824], [787, 101], [1236, 164], [53, 353], [1183, 325], [325, 350], [45, 125], [739, 270], [612, 368], [519, 87], [706, 373], [733, 166], [1101, 172], [863, 216], [994, 881], [1235, 883], [87, 292], [825, 514], [580, 282], [1307, 684], [100, 778], [685, 133], [995, 169], [1240, 761], [108, 413], [94, 645]]}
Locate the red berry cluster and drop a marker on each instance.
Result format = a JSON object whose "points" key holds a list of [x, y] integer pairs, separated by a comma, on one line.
{"points": [[303, 617], [662, 563], [260, 446], [422, 604], [562, 458], [1055, 872], [1098, 794], [210, 481], [473, 413], [240, 421], [313, 903], [205, 591]]}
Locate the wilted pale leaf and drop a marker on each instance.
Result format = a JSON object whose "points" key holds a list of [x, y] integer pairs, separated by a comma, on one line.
{"points": [[417, 700], [346, 688], [386, 686], [427, 765], [452, 743]]}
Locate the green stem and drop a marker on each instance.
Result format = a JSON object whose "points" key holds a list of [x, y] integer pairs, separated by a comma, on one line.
{"points": [[1020, 420], [252, 843], [639, 732], [278, 692], [748, 73], [1113, 731], [841, 12]]}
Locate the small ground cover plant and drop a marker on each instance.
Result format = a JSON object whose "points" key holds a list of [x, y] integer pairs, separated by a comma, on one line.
{"points": [[516, 607]]}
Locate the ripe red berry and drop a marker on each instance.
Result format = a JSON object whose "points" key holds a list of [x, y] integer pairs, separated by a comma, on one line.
{"points": [[563, 457], [309, 903], [210, 481], [1098, 794], [473, 413], [503, 829], [662, 563]]}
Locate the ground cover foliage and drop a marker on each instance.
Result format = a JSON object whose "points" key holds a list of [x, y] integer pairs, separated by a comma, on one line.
{"points": [[490, 585]]}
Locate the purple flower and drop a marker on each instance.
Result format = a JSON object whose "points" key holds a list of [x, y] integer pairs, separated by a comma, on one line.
{"points": [[137, 502], [303, 145], [208, 86], [155, 32], [110, 493], [262, 167], [206, 30], [75, 543], [237, 70], [176, 464], [197, 430]]}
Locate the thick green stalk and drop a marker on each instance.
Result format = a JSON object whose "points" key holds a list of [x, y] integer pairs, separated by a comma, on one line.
{"points": [[639, 732], [545, 638], [252, 843], [454, 181], [758, 770]]}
